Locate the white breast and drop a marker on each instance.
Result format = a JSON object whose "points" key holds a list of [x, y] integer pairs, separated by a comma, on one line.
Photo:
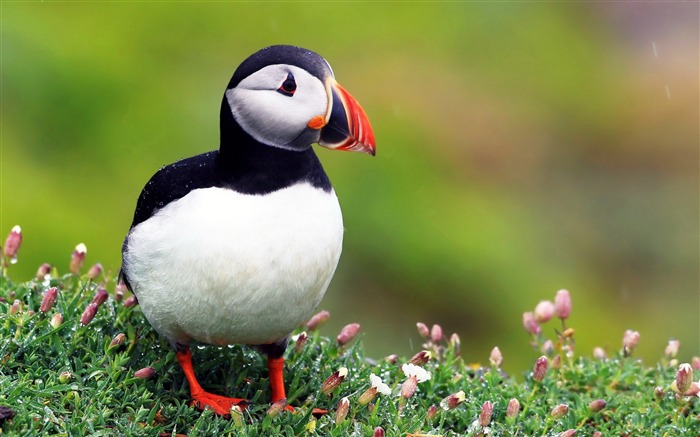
{"points": [[223, 267]]}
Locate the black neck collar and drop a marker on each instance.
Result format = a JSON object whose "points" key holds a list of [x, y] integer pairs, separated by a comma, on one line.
{"points": [[258, 168]]}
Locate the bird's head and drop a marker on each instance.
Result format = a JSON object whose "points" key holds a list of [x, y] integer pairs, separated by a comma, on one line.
{"points": [[287, 97]]}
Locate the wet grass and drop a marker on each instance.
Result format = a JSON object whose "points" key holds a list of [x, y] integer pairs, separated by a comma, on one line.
{"points": [[113, 375]]}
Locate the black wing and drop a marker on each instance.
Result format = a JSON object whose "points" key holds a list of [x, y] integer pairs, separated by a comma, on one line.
{"points": [[170, 183], [173, 182]]}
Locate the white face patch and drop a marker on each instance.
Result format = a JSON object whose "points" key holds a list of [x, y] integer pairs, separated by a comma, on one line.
{"points": [[271, 117]]}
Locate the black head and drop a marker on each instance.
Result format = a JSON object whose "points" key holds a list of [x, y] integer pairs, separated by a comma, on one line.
{"points": [[286, 97], [286, 55]]}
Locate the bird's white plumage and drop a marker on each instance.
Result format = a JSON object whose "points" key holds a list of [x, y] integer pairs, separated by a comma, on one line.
{"points": [[223, 267], [273, 118]]}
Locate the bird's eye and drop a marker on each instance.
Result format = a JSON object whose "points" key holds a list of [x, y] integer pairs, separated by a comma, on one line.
{"points": [[289, 86]]}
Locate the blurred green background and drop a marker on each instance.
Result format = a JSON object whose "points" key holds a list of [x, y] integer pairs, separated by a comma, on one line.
{"points": [[522, 148]]}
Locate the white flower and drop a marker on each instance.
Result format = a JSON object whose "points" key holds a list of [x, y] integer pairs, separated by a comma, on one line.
{"points": [[416, 371], [379, 385]]}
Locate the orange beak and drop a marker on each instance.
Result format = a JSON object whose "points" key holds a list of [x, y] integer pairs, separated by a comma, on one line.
{"points": [[346, 124]]}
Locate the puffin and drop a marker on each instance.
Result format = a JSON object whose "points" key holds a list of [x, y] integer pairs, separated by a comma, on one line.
{"points": [[238, 245]]}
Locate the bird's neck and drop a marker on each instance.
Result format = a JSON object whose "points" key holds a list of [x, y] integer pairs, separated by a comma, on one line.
{"points": [[270, 167]]}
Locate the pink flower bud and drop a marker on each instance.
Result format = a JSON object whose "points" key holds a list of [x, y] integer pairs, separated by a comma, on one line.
{"points": [[119, 291], [367, 396], [559, 411], [300, 342], [342, 411], [695, 363], [15, 307], [540, 369], [436, 333], [556, 362], [13, 243], [277, 407], [77, 258], [548, 348], [659, 392], [409, 387], [684, 377], [317, 320], [629, 341], [421, 358], [568, 433], [496, 359], [562, 304], [599, 353], [88, 314], [544, 311], [334, 381], [348, 333], [597, 405], [455, 342], [672, 348], [453, 401], [486, 413], [531, 324], [145, 373], [378, 432], [391, 359], [131, 301], [117, 340], [423, 330], [56, 320], [100, 297], [48, 300], [64, 377], [95, 271], [432, 412], [42, 271], [597, 434], [513, 408]]}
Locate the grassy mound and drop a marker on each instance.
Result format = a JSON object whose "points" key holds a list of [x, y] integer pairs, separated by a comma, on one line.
{"points": [[88, 363]]}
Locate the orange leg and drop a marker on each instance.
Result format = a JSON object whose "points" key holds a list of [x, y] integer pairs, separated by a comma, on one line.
{"points": [[202, 399], [275, 367]]}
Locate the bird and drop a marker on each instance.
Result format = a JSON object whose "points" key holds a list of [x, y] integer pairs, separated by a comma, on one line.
{"points": [[238, 245]]}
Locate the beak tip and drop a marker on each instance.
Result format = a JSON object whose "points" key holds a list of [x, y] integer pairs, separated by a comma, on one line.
{"points": [[347, 126]]}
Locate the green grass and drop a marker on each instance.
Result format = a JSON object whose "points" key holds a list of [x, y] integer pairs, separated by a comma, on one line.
{"points": [[68, 380]]}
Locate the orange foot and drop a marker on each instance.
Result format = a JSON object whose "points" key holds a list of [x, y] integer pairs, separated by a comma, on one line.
{"points": [[203, 399], [221, 405]]}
